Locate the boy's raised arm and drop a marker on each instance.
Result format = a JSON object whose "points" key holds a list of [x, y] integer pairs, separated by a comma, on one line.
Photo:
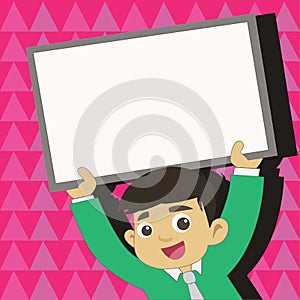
{"points": [[100, 236], [242, 208]]}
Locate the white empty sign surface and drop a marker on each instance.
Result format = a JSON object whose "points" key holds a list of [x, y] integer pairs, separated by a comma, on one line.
{"points": [[216, 63]]}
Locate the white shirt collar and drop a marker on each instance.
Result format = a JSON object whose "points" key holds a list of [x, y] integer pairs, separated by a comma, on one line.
{"points": [[174, 273]]}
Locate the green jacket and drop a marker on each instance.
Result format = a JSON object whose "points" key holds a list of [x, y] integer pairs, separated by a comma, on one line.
{"points": [[241, 212]]}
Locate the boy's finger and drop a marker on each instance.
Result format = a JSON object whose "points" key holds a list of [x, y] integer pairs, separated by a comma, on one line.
{"points": [[75, 193], [237, 147], [85, 174]]}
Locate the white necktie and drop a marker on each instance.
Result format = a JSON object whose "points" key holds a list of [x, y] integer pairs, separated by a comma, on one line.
{"points": [[189, 279]]}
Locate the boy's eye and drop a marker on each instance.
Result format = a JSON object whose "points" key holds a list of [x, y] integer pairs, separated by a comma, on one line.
{"points": [[145, 230], [181, 222]]}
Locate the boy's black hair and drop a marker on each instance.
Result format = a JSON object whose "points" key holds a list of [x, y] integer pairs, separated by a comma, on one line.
{"points": [[175, 184]]}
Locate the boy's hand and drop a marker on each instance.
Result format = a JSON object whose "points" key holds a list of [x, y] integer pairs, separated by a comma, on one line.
{"points": [[241, 161], [85, 188]]}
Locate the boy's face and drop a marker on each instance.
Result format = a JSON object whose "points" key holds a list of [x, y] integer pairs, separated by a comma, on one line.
{"points": [[174, 235]]}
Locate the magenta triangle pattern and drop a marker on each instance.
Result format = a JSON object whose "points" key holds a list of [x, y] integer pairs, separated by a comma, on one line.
{"points": [[42, 253]]}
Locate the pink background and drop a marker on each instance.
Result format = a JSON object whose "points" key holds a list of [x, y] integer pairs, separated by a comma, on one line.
{"points": [[42, 253]]}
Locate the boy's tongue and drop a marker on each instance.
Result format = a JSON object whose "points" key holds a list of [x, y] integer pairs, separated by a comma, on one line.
{"points": [[175, 251]]}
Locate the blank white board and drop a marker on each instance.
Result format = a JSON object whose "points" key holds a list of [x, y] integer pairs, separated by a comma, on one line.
{"points": [[219, 62]]}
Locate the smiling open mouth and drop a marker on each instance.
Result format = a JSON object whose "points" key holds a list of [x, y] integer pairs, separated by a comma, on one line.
{"points": [[175, 251]]}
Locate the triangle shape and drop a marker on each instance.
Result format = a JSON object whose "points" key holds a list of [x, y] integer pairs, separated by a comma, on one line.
{"points": [[14, 289], [5, 216], [294, 248], [28, 250], [28, 189], [66, 206], [14, 200], [43, 21], [14, 81], [14, 140], [225, 12], [262, 265], [196, 14], [59, 251], [43, 260], [90, 280], [5, 159], [294, 219], [75, 289], [269, 280], [285, 20], [29, 131], [105, 289], [43, 230], [272, 251], [14, 111], [294, 114], [24, 71], [14, 230], [4, 67], [43, 40], [288, 52], [4, 189], [40, 172], [287, 170], [43, 200], [290, 81], [5, 276], [61, 199], [284, 260], [14, 260], [98, 266], [89, 256], [28, 219], [163, 18], [284, 289], [59, 222], [75, 36], [294, 188], [73, 233], [118, 283], [59, 281], [105, 20], [14, 21], [284, 230], [258, 286], [26, 100], [5, 98], [5, 247], [14, 51], [76, 260], [255, 10], [134, 20], [288, 202], [37, 143], [294, 278], [28, 159], [75, 20], [5, 127], [43, 290], [4, 38], [28, 280]]}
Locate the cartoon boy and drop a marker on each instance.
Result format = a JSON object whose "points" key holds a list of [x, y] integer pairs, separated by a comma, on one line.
{"points": [[173, 231]]}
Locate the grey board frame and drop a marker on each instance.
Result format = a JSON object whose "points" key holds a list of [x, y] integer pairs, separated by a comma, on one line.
{"points": [[260, 74]]}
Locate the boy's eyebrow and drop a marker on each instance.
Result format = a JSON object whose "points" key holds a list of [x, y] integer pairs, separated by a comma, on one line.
{"points": [[144, 215], [179, 208]]}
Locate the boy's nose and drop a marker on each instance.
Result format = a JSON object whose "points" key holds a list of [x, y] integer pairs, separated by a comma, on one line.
{"points": [[165, 238]]}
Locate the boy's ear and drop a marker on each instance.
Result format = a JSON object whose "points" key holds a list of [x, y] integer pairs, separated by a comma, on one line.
{"points": [[129, 237], [218, 230]]}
